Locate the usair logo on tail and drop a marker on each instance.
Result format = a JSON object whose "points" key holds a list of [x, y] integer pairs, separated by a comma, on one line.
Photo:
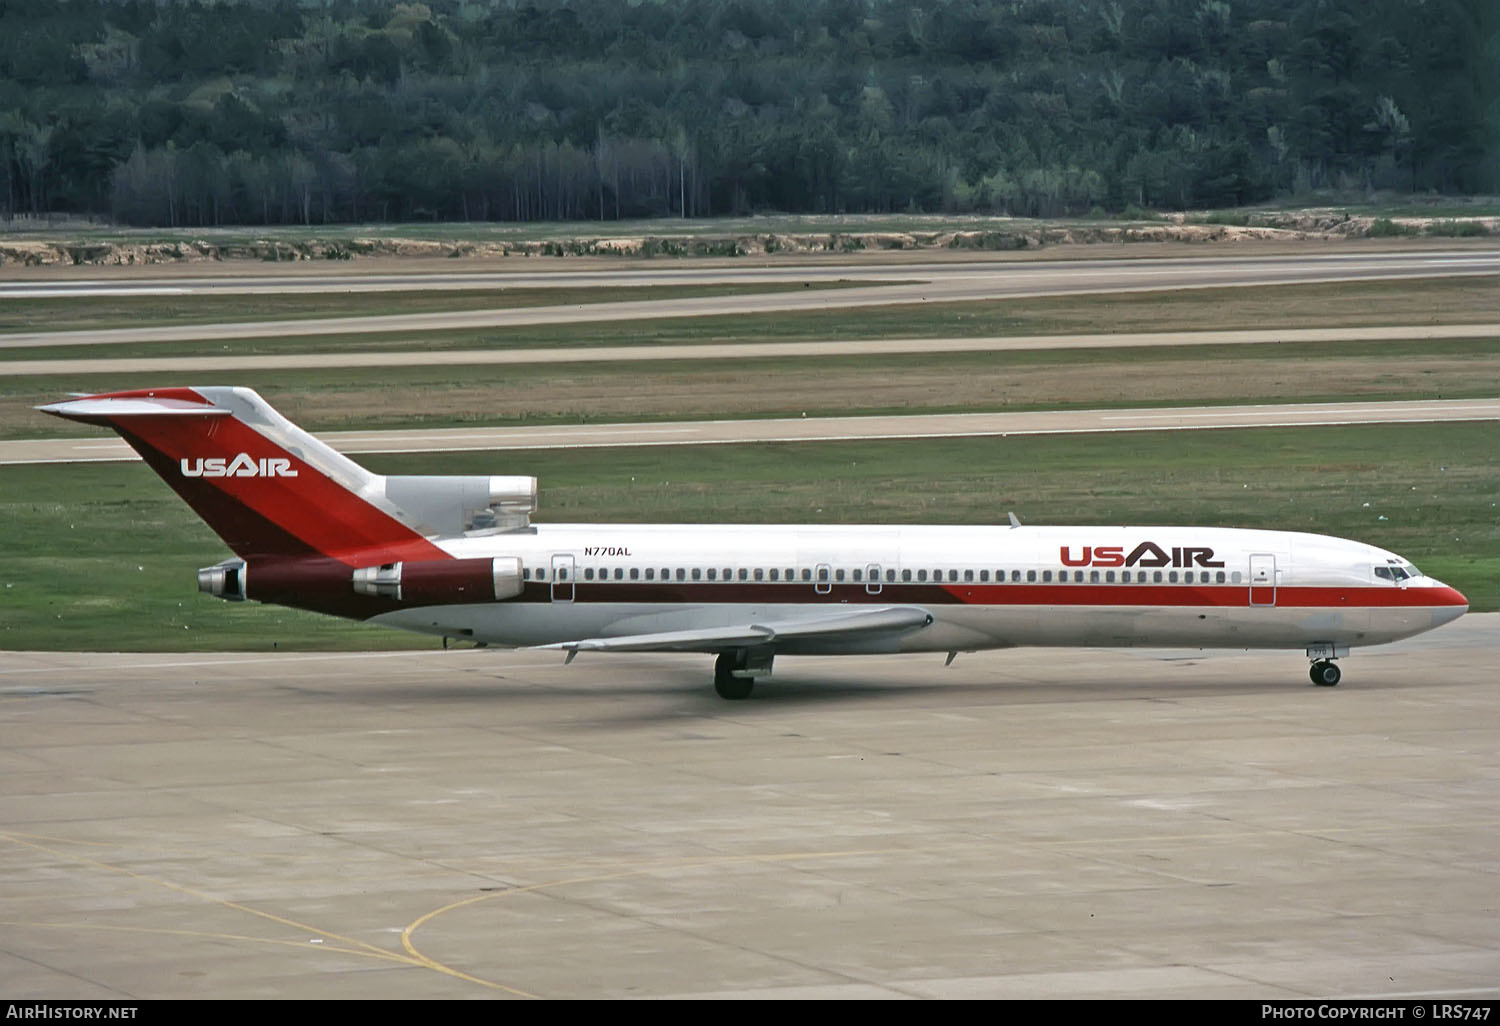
{"points": [[243, 465]]}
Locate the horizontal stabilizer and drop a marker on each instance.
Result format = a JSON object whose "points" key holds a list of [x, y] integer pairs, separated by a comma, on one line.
{"points": [[889, 619], [101, 409]]}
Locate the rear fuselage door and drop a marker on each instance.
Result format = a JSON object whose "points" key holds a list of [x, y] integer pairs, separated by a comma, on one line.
{"points": [[562, 578]]}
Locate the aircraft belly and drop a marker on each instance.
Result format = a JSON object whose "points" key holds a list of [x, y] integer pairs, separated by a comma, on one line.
{"points": [[528, 623], [961, 628]]}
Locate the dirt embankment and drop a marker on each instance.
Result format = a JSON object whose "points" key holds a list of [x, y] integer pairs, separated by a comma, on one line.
{"points": [[1023, 235]]}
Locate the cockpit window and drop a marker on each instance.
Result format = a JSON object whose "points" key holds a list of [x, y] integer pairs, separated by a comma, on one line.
{"points": [[1397, 572], [1384, 573]]}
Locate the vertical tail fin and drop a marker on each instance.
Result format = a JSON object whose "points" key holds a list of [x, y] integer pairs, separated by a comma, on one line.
{"points": [[265, 486]]}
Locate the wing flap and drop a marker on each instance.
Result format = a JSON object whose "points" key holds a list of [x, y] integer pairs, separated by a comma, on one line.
{"points": [[892, 619]]}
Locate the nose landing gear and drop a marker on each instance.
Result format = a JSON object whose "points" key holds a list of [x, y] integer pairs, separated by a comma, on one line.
{"points": [[1324, 673]]}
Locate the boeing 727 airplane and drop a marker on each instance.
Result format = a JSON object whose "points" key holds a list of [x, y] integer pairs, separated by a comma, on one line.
{"points": [[459, 557]]}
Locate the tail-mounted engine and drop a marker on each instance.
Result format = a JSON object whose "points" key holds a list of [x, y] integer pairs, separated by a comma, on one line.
{"points": [[451, 506], [442, 581], [224, 580]]}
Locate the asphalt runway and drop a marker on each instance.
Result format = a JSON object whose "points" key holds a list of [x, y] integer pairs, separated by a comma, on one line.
{"points": [[230, 363], [910, 283], [1022, 824], [821, 429]]}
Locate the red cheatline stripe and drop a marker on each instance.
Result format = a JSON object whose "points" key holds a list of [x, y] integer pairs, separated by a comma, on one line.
{"points": [[1066, 595], [1298, 596]]}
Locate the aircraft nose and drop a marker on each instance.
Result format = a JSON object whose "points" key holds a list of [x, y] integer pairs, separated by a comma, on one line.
{"points": [[1450, 604]]}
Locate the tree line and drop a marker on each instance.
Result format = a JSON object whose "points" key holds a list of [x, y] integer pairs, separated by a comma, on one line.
{"points": [[196, 113]]}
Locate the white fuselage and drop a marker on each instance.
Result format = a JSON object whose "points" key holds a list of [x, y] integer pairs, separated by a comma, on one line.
{"points": [[985, 587]]}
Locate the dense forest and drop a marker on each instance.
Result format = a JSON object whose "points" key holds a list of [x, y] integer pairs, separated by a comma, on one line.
{"points": [[196, 112]]}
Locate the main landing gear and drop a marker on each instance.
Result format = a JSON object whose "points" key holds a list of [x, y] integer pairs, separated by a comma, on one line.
{"points": [[735, 671], [1324, 673], [725, 682]]}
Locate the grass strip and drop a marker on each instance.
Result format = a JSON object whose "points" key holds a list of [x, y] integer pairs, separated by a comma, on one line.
{"points": [[81, 312], [417, 396]]}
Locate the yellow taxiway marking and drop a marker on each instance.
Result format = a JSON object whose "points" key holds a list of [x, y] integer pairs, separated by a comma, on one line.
{"points": [[656, 867], [346, 945]]}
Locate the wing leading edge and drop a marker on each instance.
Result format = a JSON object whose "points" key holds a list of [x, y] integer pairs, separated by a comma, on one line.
{"points": [[890, 619]]}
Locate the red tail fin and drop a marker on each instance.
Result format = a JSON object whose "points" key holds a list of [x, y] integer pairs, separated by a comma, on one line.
{"points": [[265, 486]]}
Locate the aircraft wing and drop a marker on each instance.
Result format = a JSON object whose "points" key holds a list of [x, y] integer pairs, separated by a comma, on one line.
{"points": [[837, 626]]}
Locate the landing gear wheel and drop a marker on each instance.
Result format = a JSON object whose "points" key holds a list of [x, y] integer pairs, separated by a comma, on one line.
{"points": [[1324, 673], [725, 682]]}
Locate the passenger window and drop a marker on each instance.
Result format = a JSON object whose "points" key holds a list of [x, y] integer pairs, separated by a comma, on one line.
{"points": [[1030, 576], [1093, 576], [774, 573], [744, 574], [806, 574], [858, 576], [1015, 576], [1172, 577], [984, 575], [890, 575], [619, 573], [728, 573], [697, 574], [681, 574], [760, 574], [1046, 576], [588, 574], [541, 574], [712, 574], [1109, 577], [1219, 577], [1156, 577], [525, 574], [906, 575], [635, 573], [838, 575], [921, 575], [650, 573], [1078, 576], [953, 577]]}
